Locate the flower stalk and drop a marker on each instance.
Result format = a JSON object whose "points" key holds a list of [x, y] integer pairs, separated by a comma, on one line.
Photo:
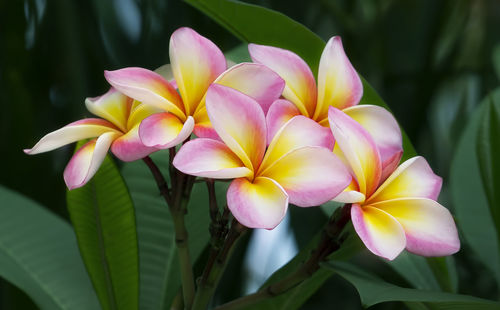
{"points": [[177, 201], [216, 266], [331, 241]]}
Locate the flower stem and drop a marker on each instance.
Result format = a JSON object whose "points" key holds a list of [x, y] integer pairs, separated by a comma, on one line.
{"points": [[215, 267], [330, 242], [177, 201]]}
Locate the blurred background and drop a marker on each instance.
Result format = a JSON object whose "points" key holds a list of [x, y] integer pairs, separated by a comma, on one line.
{"points": [[431, 61]]}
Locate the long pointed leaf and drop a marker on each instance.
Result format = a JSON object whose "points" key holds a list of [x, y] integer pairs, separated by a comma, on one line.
{"points": [[488, 150], [39, 254], [373, 290], [103, 216], [469, 196]]}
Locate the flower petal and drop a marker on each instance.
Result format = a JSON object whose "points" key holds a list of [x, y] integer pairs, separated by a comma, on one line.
{"points": [[129, 147], [338, 83], [429, 227], [87, 160], [112, 106], [164, 130], [351, 194], [147, 87], [359, 149], [300, 84], [196, 63], [79, 130], [413, 178], [280, 112], [139, 112], [203, 127], [298, 132], [380, 232], [385, 132], [254, 80], [240, 123], [210, 159], [258, 204], [310, 176]]}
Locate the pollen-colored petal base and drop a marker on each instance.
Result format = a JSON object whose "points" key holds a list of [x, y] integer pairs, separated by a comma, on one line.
{"points": [[258, 204], [196, 62], [380, 232], [147, 87], [112, 106], [310, 176], [413, 178], [338, 83], [298, 132], [429, 227], [358, 148]]}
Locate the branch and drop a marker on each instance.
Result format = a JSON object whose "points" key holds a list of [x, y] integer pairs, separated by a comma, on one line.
{"points": [[330, 242]]}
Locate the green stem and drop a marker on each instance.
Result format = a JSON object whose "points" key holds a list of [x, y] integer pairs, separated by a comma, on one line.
{"points": [[214, 269], [181, 241], [330, 242], [177, 203]]}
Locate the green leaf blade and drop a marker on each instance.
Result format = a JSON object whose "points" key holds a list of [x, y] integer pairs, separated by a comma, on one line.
{"points": [[103, 216], [469, 196], [373, 290], [488, 149], [39, 254]]}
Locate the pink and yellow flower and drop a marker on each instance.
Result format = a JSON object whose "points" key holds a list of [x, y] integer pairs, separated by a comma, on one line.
{"points": [[338, 85], [196, 63], [398, 212], [117, 129], [297, 167]]}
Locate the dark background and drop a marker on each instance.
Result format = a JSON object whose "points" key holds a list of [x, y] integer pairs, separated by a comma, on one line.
{"points": [[432, 62]]}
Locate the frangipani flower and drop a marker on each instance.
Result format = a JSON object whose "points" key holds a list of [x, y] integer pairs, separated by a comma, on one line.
{"points": [[196, 63], [400, 212], [298, 166], [338, 85], [118, 130]]}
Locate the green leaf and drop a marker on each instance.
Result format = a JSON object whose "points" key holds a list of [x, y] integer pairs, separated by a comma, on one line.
{"points": [[496, 60], [103, 217], [415, 270], [159, 265], [488, 149], [431, 273], [373, 290], [39, 254], [238, 54], [469, 197], [252, 23]]}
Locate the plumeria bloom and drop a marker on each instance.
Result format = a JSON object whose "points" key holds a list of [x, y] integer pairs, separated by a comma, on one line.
{"points": [[117, 129], [196, 63], [400, 212], [338, 85], [298, 166]]}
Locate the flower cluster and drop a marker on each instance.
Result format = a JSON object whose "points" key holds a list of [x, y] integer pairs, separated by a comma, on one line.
{"points": [[277, 134]]}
